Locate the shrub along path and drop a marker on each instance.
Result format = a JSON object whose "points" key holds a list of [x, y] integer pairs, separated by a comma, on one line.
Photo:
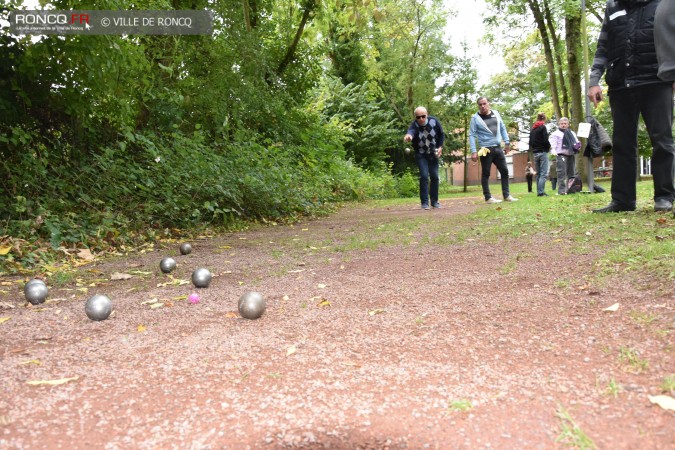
{"points": [[386, 327]]}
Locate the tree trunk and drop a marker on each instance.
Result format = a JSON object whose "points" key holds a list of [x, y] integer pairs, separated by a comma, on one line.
{"points": [[574, 71], [550, 66], [290, 53], [565, 105], [247, 15]]}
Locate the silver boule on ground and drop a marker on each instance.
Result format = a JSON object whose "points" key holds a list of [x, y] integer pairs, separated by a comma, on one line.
{"points": [[98, 307], [167, 264], [201, 278], [185, 249], [36, 291], [251, 305]]}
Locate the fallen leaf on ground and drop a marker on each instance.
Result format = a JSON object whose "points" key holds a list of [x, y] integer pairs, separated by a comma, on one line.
{"points": [[85, 254], [376, 311], [140, 272], [156, 305], [120, 276], [4, 319], [32, 361], [231, 315], [664, 401], [321, 286], [613, 308], [141, 328], [323, 302], [173, 282], [51, 382], [292, 349], [4, 250]]}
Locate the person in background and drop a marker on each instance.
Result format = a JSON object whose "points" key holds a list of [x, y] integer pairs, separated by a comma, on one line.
{"points": [[627, 55], [540, 146], [553, 172], [529, 175], [564, 144], [488, 129], [427, 137]]}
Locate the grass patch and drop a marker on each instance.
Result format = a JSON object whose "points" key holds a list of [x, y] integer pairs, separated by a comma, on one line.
{"points": [[642, 318], [668, 384], [639, 242], [460, 405], [570, 433], [631, 357], [611, 389], [63, 277]]}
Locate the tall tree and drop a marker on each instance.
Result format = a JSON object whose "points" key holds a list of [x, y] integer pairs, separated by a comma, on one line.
{"points": [[540, 20]]}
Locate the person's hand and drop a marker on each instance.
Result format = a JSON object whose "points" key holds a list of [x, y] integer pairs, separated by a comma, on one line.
{"points": [[439, 150], [595, 95], [407, 138], [507, 149], [474, 157]]}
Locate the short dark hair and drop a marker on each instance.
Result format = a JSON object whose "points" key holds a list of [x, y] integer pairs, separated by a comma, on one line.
{"points": [[481, 98]]}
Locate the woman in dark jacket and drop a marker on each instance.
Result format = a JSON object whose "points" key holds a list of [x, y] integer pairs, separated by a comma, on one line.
{"points": [[540, 147]]}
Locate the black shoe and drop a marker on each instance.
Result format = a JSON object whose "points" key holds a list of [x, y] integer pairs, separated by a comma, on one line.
{"points": [[542, 195], [663, 205], [615, 206]]}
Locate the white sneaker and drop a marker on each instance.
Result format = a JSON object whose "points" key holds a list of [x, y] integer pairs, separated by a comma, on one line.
{"points": [[511, 198], [492, 200]]}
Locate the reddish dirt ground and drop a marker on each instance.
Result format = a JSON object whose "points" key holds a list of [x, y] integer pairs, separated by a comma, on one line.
{"points": [[463, 345]]}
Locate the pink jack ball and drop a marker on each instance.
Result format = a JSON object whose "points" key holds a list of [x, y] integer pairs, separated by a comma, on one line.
{"points": [[194, 298]]}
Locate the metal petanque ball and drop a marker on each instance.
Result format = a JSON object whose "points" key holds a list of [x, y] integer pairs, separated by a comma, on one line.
{"points": [[98, 307], [251, 305], [36, 291], [201, 278], [167, 264], [185, 249]]}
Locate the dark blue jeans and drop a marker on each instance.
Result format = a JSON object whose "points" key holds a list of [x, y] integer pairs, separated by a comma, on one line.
{"points": [[428, 165], [496, 157], [655, 103]]}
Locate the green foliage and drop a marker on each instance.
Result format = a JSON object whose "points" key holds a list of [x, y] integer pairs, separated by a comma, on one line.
{"points": [[110, 141], [368, 128]]}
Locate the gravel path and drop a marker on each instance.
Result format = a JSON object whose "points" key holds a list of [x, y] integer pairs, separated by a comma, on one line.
{"points": [[368, 342]]}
